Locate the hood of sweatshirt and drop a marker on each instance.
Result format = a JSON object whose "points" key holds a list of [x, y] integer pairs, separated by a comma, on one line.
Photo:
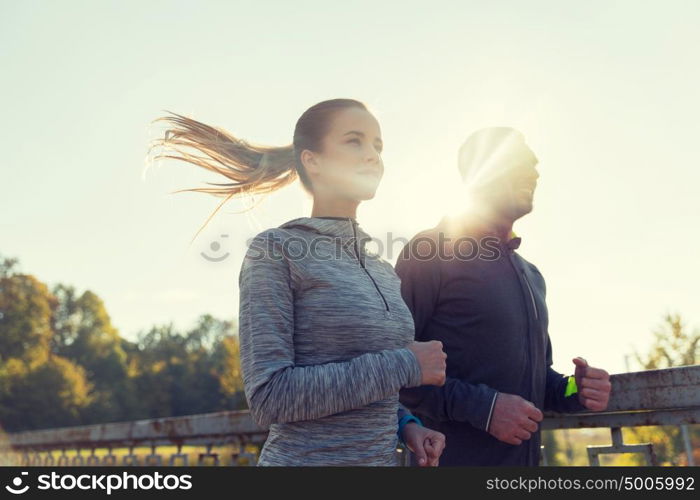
{"points": [[343, 227], [345, 230]]}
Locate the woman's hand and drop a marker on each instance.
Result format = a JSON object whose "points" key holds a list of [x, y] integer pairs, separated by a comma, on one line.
{"points": [[425, 443], [431, 359]]}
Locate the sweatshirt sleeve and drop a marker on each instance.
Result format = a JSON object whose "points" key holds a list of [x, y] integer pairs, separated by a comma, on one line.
{"points": [[401, 412], [457, 400], [278, 390]]}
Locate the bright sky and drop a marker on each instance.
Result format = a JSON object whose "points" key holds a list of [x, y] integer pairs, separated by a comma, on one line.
{"points": [[607, 94]]}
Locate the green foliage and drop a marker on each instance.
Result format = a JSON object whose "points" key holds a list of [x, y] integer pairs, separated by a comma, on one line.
{"points": [[49, 394], [26, 306], [63, 363], [84, 334], [227, 360], [552, 449], [182, 373], [673, 345]]}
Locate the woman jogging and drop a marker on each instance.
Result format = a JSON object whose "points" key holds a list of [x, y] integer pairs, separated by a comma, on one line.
{"points": [[326, 340]]}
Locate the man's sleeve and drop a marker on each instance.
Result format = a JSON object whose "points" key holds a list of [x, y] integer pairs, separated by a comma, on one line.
{"points": [[457, 400]]}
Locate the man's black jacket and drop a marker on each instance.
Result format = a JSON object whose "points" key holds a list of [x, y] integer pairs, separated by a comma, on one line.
{"points": [[490, 314]]}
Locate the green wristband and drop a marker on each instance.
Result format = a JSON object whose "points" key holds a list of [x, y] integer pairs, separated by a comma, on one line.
{"points": [[571, 387]]}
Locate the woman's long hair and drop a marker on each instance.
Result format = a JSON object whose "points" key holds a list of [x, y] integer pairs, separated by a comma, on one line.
{"points": [[251, 168]]}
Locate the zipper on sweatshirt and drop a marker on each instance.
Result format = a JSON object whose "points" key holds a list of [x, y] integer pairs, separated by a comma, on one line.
{"points": [[532, 451], [527, 284], [362, 264], [526, 309], [532, 296]]}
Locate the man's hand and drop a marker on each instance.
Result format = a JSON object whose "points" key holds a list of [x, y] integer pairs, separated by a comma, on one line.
{"points": [[514, 419], [425, 443], [593, 385]]}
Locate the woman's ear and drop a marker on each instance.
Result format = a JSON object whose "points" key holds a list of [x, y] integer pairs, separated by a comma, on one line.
{"points": [[310, 162]]}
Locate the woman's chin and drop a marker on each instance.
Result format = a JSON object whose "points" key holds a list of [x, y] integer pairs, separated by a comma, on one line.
{"points": [[364, 193]]}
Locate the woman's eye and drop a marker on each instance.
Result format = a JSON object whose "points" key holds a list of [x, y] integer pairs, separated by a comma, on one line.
{"points": [[354, 141]]}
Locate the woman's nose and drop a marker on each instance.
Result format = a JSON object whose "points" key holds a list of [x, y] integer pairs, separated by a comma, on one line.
{"points": [[373, 155]]}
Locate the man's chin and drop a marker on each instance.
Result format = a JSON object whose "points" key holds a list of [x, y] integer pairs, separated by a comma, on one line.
{"points": [[522, 210]]}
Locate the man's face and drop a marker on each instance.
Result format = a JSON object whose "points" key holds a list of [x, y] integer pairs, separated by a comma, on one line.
{"points": [[522, 181], [511, 190]]}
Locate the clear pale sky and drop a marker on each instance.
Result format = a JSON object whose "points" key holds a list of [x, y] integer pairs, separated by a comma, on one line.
{"points": [[607, 93]]}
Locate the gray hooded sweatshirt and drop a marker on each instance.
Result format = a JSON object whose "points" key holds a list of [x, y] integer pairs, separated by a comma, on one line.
{"points": [[323, 337]]}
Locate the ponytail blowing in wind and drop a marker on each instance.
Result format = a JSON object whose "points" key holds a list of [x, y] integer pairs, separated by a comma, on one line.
{"points": [[250, 168]]}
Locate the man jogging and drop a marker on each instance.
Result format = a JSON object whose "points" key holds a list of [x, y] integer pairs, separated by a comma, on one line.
{"points": [[467, 287]]}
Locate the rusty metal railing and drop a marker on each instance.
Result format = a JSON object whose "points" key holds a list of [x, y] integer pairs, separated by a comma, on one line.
{"points": [[655, 397], [669, 396], [234, 430]]}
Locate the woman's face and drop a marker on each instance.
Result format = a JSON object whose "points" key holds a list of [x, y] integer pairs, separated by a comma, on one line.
{"points": [[349, 165]]}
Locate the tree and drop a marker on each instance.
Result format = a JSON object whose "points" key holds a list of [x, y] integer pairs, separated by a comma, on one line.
{"points": [[674, 345], [83, 333], [182, 374], [227, 365], [62, 362], [31, 378], [26, 308], [29, 390]]}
